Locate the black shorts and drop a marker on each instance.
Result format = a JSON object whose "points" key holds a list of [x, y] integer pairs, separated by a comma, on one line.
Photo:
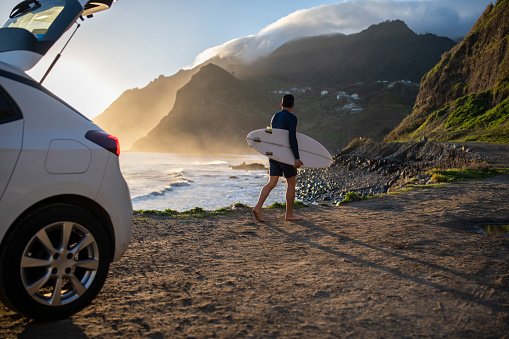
{"points": [[279, 169]]}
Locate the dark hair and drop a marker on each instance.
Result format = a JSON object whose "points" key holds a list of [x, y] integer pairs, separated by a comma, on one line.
{"points": [[288, 101]]}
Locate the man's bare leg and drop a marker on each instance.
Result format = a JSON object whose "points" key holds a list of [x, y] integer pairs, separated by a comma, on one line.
{"points": [[290, 199], [264, 193]]}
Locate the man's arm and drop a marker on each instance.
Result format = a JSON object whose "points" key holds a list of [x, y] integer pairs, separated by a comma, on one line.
{"points": [[294, 145]]}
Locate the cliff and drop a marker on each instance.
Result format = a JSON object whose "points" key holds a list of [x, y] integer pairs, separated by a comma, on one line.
{"points": [[137, 111], [465, 96], [213, 113]]}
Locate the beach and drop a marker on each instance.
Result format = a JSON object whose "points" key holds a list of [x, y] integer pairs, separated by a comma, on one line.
{"points": [[159, 181], [405, 265]]}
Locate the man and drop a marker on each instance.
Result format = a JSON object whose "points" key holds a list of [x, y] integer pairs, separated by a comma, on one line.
{"points": [[288, 121]]}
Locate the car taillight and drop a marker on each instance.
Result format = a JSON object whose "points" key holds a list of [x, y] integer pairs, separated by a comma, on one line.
{"points": [[105, 140]]}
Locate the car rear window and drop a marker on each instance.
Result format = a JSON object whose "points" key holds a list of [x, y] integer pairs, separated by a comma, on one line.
{"points": [[8, 111], [35, 17]]}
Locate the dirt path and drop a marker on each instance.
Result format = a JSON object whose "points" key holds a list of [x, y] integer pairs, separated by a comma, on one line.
{"points": [[405, 265]]}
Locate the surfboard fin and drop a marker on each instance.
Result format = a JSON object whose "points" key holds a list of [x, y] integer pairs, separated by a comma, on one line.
{"points": [[257, 139], [269, 153], [268, 130]]}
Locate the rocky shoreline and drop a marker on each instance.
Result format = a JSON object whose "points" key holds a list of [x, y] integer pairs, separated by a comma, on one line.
{"points": [[369, 168]]}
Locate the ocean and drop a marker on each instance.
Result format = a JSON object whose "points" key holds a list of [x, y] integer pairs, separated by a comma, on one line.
{"points": [[159, 181]]}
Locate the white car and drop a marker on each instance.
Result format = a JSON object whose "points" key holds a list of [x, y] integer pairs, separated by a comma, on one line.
{"points": [[65, 209]]}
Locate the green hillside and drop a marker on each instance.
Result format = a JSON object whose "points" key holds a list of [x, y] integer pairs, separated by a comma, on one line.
{"points": [[465, 97]]}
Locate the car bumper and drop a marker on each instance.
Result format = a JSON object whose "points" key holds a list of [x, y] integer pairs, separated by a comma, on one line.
{"points": [[115, 198]]}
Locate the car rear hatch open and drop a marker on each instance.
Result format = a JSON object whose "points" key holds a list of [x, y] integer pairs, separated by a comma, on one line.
{"points": [[35, 25]]}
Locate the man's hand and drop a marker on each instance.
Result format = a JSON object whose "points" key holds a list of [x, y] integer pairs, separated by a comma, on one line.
{"points": [[298, 163]]}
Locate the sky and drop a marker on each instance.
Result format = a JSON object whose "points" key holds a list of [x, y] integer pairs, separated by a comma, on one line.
{"points": [[136, 41]]}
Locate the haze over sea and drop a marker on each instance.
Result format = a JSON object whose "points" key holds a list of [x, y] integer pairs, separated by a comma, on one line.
{"points": [[159, 181]]}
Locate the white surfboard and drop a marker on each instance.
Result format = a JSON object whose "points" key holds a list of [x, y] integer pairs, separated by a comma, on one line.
{"points": [[275, 144]]}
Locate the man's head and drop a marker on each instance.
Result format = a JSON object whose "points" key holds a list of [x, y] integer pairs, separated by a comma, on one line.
{"points": [[288, 101]]}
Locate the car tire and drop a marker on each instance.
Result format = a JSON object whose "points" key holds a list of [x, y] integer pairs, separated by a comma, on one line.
{"points": [[54, 262]]}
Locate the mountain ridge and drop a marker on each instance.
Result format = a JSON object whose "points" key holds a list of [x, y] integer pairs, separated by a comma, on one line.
{"points": [[333, 119], [387, 51], [146, 107], [197, 122], [464, 97]]}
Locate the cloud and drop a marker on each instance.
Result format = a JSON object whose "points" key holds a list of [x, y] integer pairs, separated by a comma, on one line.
{"points": [[452, 18]]}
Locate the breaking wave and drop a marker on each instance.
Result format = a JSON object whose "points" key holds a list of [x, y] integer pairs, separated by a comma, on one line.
{"points": [[163, 191]]}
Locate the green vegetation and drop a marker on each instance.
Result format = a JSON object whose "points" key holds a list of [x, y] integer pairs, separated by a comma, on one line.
{"points": [[446, 57], [297, 204], [458, 90], [353, 196], [493, 11], [467, 110], [438, 178], [469, 118], [240, 205], [200, 213], [460, 100], [459, 174], [495, 229], [194, 213], [412, 187], [356, 143]]}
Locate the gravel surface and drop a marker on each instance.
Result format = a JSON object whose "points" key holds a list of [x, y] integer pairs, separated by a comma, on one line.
{"points": [[375, 168]]}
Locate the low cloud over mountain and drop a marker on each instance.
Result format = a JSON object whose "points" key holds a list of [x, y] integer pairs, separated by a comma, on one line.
{"points": [[452, 18]]}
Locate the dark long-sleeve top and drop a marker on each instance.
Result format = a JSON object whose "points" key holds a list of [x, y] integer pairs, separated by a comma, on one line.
{"points": [[288, 121]]}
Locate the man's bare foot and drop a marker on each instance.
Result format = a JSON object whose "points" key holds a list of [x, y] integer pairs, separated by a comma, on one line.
{"points": [[293, 217], [258, 215]]}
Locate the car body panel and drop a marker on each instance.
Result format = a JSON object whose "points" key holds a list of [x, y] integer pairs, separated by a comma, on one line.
{"points": [[115, 204], [49, 124], [11, 134], [60, 179], [67, 157]]}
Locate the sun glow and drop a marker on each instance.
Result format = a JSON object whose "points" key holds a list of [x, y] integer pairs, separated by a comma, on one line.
{"points": [[80, 86]]}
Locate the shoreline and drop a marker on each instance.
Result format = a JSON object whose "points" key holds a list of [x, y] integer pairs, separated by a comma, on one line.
{"points": [[371, 169]]}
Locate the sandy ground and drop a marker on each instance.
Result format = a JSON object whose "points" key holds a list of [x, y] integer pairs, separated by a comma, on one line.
{"points": [[408, 265]]}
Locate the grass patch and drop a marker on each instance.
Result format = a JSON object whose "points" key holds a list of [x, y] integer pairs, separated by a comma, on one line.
{"points": [[297, 204], [468, 109], [194, 213], [353, 196], [409, 188], [200, 213], [355, 143], [460, 174]]}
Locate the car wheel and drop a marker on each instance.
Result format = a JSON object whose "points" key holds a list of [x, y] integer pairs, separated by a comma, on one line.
{"points": [[54, 263]]}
